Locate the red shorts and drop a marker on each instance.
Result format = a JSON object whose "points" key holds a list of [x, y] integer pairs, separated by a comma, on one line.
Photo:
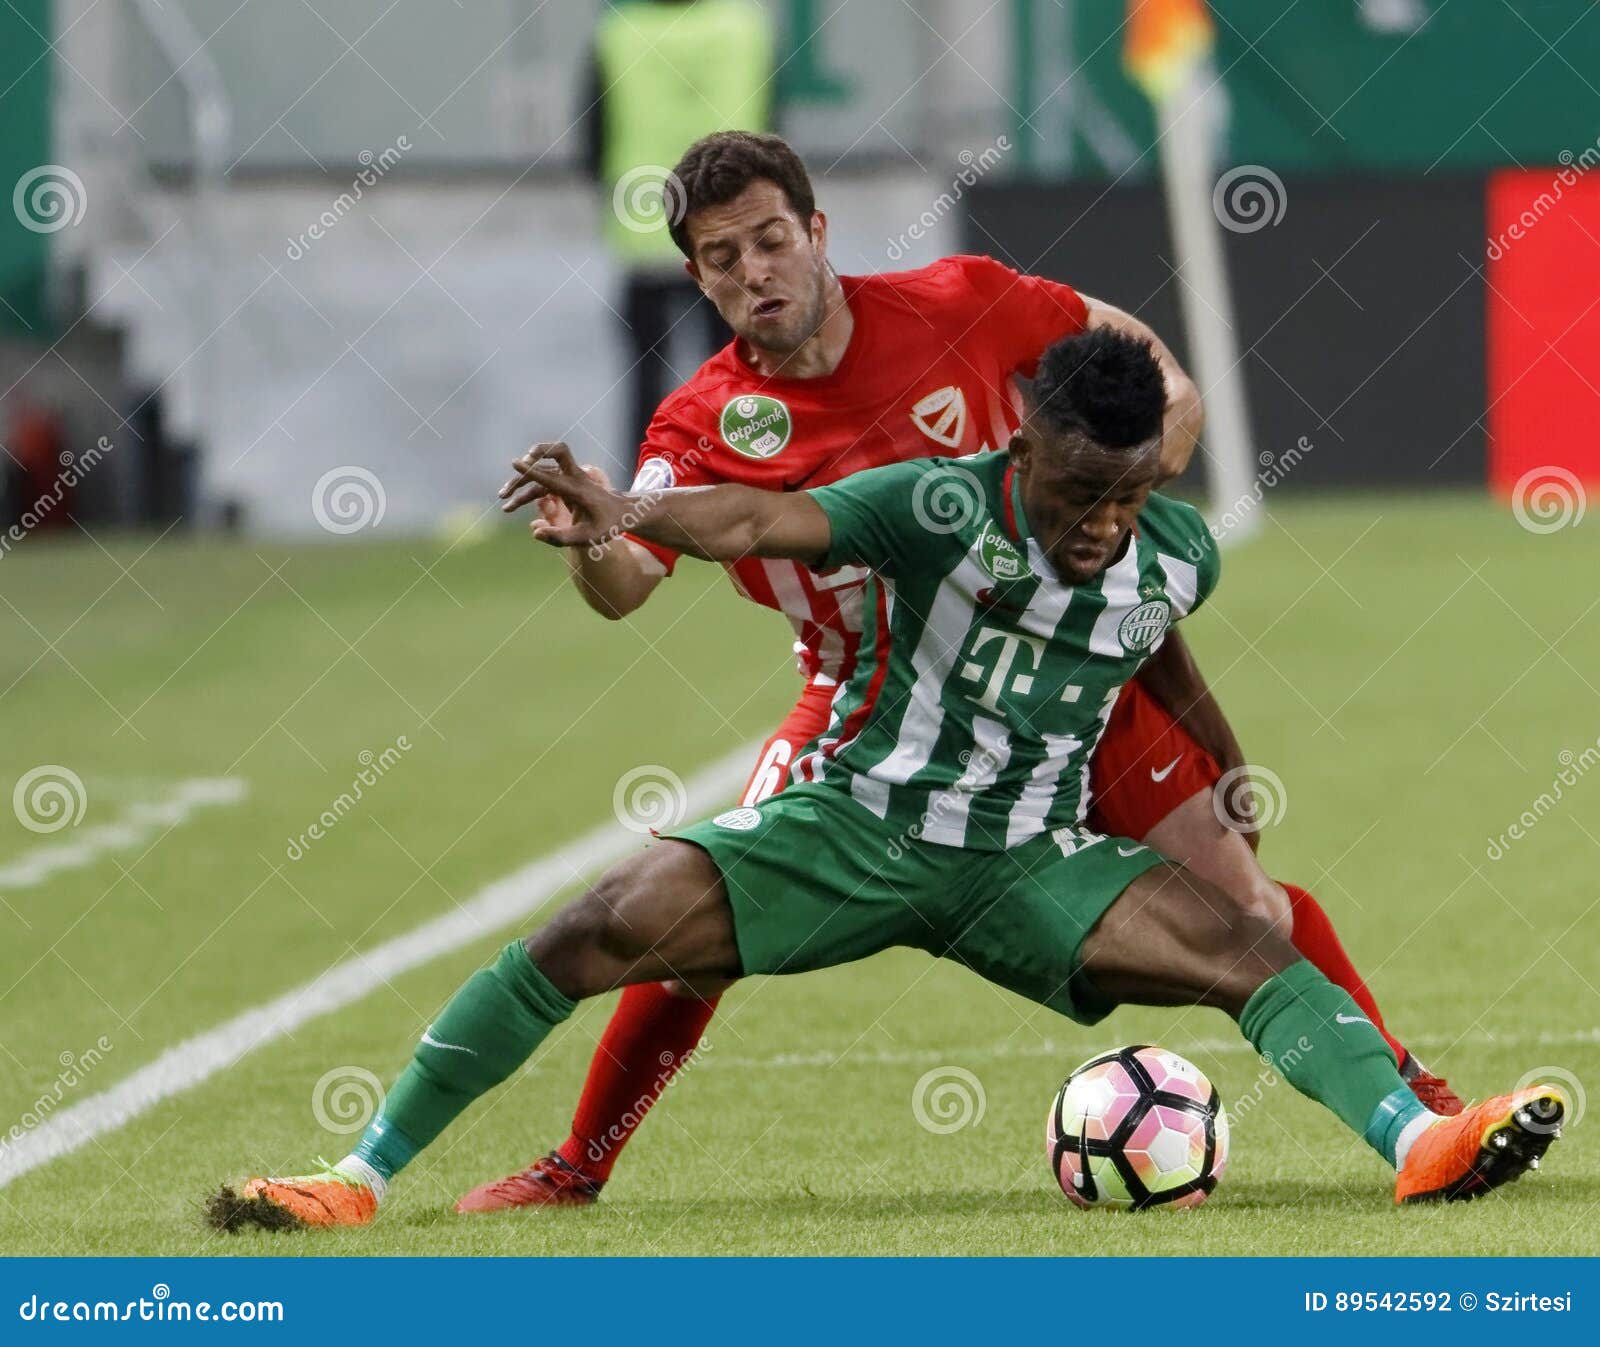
{"points": [[1145, 767]]}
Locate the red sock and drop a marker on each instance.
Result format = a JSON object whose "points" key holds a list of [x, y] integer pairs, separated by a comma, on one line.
{"points": [[651, 1034], [1315, 937]]}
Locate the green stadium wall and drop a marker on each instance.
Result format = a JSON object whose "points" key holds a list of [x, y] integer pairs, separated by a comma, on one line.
{"points": [[25, 84], [1317, 90]]}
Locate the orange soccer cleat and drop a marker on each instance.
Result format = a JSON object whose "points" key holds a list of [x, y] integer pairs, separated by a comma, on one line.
{"points": [[548, 1182], [1483, 1147], [327, 1198]]}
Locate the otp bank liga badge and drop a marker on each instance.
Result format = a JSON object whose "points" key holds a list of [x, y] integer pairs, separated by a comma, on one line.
{"points": [[755, 425], [998, 557], [1143, 627]]}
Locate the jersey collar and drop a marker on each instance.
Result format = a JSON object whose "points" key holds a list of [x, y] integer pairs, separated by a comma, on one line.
{"points": [[1016, 518]]}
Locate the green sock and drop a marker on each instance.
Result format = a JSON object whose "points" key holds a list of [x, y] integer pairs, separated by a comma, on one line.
{"points": [[500, 1015], [1329, 1050]]}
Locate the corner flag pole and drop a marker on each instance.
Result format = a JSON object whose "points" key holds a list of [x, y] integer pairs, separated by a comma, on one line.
{"points": [[1168, 54]]}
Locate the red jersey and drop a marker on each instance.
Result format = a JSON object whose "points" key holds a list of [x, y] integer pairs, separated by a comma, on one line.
{"points": [[929, 370]]}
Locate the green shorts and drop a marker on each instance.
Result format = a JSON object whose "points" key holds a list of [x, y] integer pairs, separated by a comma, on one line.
{"points": [[816, 879]]}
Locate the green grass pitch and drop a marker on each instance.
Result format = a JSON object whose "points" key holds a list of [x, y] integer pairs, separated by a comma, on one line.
{"points": [[1412, 668]]}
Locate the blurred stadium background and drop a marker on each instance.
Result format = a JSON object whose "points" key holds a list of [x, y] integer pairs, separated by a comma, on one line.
{"points": [[284, 286], [162, 286]]}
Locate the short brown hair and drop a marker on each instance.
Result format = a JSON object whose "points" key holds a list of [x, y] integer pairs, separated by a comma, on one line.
{"points": [[716, 168]]}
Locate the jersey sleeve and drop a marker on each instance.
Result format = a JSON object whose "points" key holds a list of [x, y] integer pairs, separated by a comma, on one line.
{"points": [[1208, 566], [1187, 550], [670, 456], [874, 515], [1021, 313]]}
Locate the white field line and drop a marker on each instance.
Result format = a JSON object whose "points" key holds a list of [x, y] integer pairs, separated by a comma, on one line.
{"points": [[137, 824], [492, 908]]}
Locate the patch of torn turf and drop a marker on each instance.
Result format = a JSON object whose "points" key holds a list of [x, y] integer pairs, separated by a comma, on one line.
{"points": [[226, 1210]]}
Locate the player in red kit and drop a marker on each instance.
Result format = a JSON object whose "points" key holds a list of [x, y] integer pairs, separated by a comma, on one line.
{"points": [[829, 375]]}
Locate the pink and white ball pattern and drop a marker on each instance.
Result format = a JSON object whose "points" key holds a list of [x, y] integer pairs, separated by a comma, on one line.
{"points": [[1159, 1127]]}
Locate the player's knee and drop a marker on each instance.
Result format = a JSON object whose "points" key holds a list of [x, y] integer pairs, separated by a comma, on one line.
{"points": [[1263, 897], [697, 989], [616, 916], [1230, 865], [584, 946]]}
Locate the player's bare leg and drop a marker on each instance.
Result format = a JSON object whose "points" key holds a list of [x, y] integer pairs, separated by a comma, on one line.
{"points": [[659, 915], [1193, 835], [1171, 938]]}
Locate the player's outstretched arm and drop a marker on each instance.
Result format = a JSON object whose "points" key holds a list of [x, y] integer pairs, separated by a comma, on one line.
{"points": [[715, 523], [1173, 678], [1185, 415], [613, 580]]}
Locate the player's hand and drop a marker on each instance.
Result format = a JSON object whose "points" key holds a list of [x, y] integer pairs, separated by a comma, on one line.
{"points": [[577, 507], [521, 490]]}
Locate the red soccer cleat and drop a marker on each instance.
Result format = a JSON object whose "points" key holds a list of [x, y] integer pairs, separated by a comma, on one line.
{"points": [[1434, 1092], [1485, 1146], [548, 1182]]}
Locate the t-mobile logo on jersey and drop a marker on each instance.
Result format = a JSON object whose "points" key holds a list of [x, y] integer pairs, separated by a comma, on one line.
{"points": [[994, 680]]}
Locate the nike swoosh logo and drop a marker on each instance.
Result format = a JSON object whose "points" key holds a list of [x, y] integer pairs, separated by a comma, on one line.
{"points": [[1128, 851], [432, 1042], [1353, 1019], [1166, 771]]}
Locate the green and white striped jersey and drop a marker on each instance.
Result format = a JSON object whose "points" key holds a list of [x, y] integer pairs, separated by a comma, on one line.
{"points": [[983, 682]]}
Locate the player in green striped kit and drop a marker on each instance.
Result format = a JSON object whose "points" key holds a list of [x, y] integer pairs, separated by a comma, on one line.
{"points": [[1012, 596]]}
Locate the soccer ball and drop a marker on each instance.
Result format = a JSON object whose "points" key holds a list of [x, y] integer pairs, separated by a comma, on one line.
{"points": [[1135, 1128]]}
